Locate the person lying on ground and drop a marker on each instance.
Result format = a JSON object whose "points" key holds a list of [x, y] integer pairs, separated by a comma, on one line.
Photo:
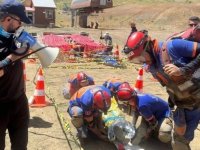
{"points": [[120, 131]]}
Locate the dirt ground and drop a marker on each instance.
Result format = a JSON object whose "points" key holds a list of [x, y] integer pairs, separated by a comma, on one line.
{"points": [[49, 128], [46, 130]]}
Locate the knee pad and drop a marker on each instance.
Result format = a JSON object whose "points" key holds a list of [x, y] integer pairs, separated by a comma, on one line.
{"points": [[65, 93], [77, 122], [164, 137], [165, 130], [77, 116]]}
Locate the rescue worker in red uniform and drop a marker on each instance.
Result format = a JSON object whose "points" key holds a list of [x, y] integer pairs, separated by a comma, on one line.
{"points": [[163, 58], [86, 107], [76, 82]]}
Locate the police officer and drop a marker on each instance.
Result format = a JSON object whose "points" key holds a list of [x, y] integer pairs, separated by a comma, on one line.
{"points": [[160, 56], [86, 107], [14, 112]]}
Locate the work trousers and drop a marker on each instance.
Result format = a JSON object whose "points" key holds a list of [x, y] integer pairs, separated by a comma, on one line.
{"points": [[14, 117], [162, 132]]}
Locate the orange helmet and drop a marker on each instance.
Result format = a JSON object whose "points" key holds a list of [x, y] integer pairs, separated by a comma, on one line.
{"points": [[125, 92], [102, 100], [135, 44]]}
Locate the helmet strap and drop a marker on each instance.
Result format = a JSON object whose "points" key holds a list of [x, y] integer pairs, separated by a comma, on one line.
{"points": [[149, 52]]}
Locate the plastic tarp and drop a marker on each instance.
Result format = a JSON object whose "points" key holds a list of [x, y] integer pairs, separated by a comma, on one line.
{"points": [[64, 42]]}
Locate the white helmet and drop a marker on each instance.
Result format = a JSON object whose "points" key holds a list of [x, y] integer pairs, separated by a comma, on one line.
{"points": [[106, 34]]}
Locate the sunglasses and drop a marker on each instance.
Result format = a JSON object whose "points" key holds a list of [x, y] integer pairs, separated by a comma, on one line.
{"points": [[192, 25], [18, 20]]}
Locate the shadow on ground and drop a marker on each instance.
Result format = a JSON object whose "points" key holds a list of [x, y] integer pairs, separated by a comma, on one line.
{"points": [[155, 144], [37, 122], [93, 143]]}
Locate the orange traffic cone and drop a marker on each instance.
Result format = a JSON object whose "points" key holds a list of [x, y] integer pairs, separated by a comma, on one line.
{"points": [[139, 82], [116, 53], [38, 99]]}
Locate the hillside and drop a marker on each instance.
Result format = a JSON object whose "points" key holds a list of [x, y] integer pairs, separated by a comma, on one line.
{"points": [[158, 15]]}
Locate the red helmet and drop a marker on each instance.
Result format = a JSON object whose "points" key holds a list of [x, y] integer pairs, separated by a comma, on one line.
{"points": [[102, 100], [125, 92], [82, 77], [135, 44]]}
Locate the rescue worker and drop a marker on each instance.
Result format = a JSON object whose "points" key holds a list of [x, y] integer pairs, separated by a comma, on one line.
{"points": [[133, 27], [86, 107], [76, 82], [113, 84], [192, 32], [155, 114], [161, 58], [193, 21], [108, 42]]}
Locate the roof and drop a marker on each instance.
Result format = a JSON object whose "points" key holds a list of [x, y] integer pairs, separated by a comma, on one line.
{"points": [[44, 3], [80, 4]]}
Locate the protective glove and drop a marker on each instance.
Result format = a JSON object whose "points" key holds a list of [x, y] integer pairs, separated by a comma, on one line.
{"points": [[153, 123]]}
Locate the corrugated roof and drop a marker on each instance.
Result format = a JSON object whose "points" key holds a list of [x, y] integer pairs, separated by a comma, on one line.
{"points": [[44, 3]]}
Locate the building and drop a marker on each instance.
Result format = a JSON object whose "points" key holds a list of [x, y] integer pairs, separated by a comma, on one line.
{"points": [[85, 7], [41, 12]]}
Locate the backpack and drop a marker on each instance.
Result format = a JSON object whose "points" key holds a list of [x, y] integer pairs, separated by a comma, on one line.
{"points": [[191, 34]]}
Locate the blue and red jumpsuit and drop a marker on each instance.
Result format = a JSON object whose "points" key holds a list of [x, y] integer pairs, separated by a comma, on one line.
{"points": [[180, 52], [75, 85], [83, 98]]}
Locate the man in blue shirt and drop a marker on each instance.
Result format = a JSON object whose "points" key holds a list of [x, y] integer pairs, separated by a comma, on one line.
{"points": [[167, 61], [155, 113]]}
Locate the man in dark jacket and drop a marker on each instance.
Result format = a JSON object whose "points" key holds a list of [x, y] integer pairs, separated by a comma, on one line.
{"points": [[14, 112]]}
